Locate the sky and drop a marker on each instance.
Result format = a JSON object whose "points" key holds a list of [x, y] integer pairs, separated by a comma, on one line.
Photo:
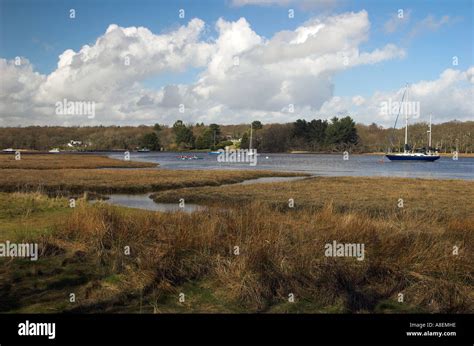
{"points": [[233, 61]]}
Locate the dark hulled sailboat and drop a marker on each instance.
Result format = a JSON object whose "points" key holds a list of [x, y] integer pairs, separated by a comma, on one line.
{"points": [[429, 155]]}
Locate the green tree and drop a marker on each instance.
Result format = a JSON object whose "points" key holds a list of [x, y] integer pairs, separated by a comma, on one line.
{"points": [[215, 132], [301, 129], [276, 137], [178, 124], [184, 137], [257, 125], [342, 132], [205, 140], [150, 141], [316, 134], [222, 145], [245, 141]]}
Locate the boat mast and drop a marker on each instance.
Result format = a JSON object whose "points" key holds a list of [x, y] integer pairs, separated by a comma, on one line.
{"points": [[406, 131], [250, 145], [406, 121], [396, 120], [429, 136]]}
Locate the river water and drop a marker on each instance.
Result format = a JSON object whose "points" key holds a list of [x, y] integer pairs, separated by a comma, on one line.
{"points": [[321, 165], [315, 164], [143, 201]]}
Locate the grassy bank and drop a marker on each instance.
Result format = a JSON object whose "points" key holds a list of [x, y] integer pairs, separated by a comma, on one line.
{"points": [[67, 161], [67, 181], [280, 253], [74, 174], [373, 195]]}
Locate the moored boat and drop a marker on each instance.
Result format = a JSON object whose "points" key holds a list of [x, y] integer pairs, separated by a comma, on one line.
{"points": [[427, 155], [189, 157], [412, 157]]}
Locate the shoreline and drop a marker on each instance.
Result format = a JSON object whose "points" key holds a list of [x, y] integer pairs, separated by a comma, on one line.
{"points": [[294, 152], [377, 153]]}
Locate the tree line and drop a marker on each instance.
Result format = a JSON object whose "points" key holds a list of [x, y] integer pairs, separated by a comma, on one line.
{"points": [[302, 135]]}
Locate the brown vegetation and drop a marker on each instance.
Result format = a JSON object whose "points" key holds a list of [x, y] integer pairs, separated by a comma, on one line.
{"points": [[67, 161], [280, 252], [408, 250], [64, 181], [374, 195]]}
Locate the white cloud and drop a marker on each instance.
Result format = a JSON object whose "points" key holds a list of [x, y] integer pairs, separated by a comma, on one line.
{"points": [[292, 67], [100, 73], [470, 74], [450, 96], [18, 86], [358, 100], [397, 20], [430, 23], [97, 72]]}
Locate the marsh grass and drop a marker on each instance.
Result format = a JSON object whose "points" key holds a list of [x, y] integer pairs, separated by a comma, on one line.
{"points": [[67, 161], [372, 195], [280, 253], [74, 181], [407, 250]]}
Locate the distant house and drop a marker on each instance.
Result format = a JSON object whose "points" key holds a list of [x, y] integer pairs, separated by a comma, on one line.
{"points": [[72, 143]]}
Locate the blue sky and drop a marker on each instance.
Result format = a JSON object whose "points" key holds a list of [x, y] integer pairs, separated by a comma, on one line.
{"points": [[41, 30]]}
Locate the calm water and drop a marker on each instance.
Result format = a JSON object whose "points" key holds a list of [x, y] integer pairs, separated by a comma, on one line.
{"points": [[145, 202], [322, 165]]}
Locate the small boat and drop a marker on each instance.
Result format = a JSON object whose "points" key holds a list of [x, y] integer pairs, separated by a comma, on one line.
{"points": [[428, 155], [214, 152], [143, 150], [189, 157], [54, 150]]}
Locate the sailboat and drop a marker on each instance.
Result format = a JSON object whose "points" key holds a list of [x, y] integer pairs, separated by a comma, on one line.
{"points": [[429, 155]]}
